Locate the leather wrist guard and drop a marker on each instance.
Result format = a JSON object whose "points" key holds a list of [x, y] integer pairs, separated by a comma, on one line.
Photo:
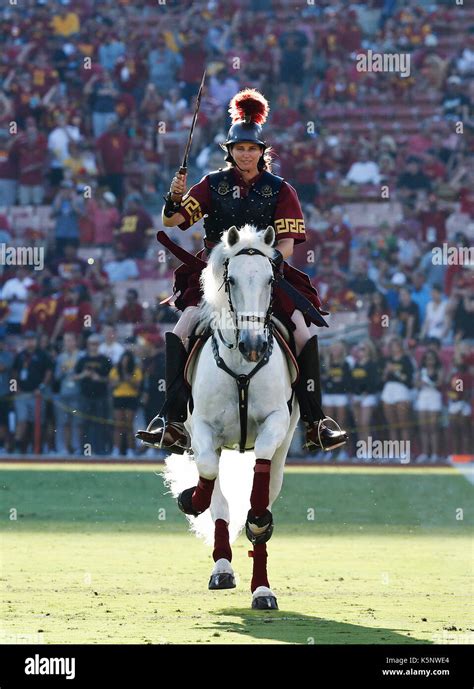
{"points": [[171, 207]]}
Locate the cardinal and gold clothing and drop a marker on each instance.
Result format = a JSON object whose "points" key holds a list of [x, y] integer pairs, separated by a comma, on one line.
{"points": [[133, 229], [223, 199], [277, 204], [41, 315]]}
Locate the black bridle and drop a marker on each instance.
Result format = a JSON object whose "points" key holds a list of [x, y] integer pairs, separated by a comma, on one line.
{"points": [[265, 320], [243, 380]]}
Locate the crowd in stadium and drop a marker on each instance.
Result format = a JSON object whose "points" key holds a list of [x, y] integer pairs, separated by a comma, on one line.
{"points": [[102, 100]]}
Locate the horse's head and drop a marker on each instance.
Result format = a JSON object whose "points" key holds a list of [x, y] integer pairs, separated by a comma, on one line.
{"points": [[248, 279]]}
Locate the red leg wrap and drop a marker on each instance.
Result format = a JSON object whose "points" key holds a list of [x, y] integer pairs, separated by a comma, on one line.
{"points": [[221, 541], [259, 576], [259, 498], [202, 495]]}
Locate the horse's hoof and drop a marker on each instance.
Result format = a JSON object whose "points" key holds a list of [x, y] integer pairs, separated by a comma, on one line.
{"points": [[185, 502], [221, 580], [264, 603]]}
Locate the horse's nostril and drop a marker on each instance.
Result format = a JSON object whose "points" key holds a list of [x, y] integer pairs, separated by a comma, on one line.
{"points": [[264, 346], [242, 347]]}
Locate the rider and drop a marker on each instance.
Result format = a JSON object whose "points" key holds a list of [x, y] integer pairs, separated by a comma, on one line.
{"points": [[243, 192]]}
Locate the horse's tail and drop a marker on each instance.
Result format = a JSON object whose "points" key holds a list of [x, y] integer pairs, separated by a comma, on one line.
{"points": [[235, 477]]}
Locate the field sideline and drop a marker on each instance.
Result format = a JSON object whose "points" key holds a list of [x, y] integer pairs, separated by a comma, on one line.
{"points": [[100, 554]]}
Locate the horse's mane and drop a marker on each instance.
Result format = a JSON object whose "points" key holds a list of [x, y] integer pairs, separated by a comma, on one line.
{"points": [[212, 277]]}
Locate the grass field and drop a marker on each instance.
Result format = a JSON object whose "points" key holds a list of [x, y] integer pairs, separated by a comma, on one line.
{"points": [[90, 559]]}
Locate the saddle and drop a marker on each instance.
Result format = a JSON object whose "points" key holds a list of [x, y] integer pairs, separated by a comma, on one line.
{"points": [[282, 335]]}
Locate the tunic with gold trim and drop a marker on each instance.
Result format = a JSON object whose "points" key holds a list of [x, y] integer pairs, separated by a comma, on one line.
{"points": [[223, 199]]}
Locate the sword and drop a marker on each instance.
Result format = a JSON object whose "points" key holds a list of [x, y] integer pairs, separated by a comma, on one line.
{"points": [[184, 165], [180, 253]]}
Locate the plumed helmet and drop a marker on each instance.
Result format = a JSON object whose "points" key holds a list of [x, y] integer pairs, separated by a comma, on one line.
{"points": [[248, 110]]}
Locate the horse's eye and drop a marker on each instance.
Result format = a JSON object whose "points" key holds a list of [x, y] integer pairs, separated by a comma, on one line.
{"points": [[231, 281], [270, 280]]}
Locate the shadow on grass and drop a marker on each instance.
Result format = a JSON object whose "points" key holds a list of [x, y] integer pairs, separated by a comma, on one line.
{"points": [[296, 628]]}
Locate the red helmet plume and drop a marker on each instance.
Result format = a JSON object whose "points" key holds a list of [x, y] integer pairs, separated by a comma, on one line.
{"points": [[249, 105]]}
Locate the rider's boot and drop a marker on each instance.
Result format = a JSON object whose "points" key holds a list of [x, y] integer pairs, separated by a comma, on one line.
{"points": [[172, 435], [318, 435]]}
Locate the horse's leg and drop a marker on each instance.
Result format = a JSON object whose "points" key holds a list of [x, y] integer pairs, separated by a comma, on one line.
{"points": [[273, 441], [222, 576], [197, 499]]}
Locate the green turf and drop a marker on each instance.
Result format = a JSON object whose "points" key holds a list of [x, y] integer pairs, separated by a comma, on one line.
{"points": [[88, 560]]}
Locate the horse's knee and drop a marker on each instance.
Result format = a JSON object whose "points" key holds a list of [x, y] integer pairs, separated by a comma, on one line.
{"points": [[207, 464], [259, 529], [272, 436]]}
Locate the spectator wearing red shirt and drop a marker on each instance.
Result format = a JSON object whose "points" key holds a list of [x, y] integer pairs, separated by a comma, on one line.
{"points": [[112, 149], [31, 147], [135, 225], [261, 67], [103, 217], [433, 222], [27, 100], [74, 312], [466, 197], [337, 239], [463, 181], [433, 167], [194, 59], [130, 73], [131, 311], [41, 314], [97, 278], [304, 174], [349, 34], [284, 116], [379, 316]]}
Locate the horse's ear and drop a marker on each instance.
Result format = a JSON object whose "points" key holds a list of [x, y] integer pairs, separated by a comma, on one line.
{"points": [[269, 236], [233, 236]]}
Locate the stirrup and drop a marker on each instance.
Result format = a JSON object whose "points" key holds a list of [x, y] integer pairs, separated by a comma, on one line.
{"points": [[158, 417], [148, 429], [320, 422]]}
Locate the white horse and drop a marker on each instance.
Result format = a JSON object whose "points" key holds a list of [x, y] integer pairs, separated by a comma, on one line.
{"points": [[237, 285]]}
